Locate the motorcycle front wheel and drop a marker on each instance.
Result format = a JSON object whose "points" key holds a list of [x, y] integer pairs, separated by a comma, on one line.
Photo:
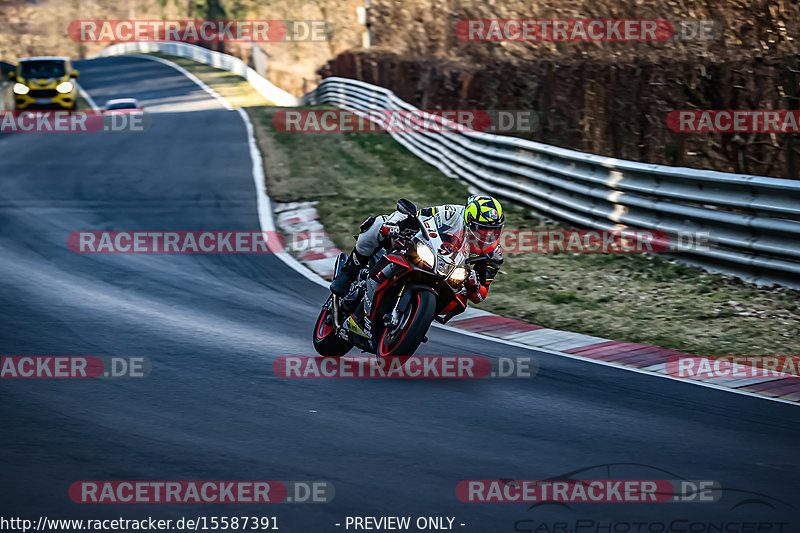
{"points": [[407, 336]]}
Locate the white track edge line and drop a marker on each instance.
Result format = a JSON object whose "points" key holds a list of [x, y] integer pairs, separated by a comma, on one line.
{"points": [[615, 365], [86, 96], [264, 207]]}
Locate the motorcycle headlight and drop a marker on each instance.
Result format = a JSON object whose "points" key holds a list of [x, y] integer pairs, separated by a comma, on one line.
{"points": [[425, 255], [458, 275], [65, 87], [21, 88]]}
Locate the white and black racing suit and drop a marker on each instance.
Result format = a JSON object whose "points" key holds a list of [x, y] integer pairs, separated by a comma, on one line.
{"points": [[490, 256]]}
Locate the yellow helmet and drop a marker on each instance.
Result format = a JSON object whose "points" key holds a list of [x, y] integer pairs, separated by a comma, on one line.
{"points": [[483, 216]]}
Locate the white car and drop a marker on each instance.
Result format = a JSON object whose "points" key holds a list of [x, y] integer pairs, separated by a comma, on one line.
{"points": [[122, 106]]}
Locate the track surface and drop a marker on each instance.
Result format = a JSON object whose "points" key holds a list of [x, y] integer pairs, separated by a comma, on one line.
{"points": [[212, 409]]}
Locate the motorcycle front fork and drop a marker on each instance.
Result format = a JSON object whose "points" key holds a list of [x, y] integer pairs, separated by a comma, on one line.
{"points": [[393, 319], [336, 312]]}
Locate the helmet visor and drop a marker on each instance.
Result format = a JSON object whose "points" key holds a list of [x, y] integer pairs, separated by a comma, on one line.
{"points": [[484, 235]]}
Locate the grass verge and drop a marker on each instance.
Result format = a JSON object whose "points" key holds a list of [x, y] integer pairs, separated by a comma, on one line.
{"points": [[626, 297]]}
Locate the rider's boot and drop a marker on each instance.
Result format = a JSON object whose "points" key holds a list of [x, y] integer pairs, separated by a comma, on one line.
{"points": [[347, 275]]}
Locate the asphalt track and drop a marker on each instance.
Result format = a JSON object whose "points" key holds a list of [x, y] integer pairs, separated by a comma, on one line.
{"points": [[212, 325]]}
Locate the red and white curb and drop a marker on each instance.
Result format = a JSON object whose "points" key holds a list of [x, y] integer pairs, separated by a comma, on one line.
{"points": [[306, 239], [630, 354]]}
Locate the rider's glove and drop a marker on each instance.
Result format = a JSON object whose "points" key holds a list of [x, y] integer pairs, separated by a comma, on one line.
{"points": [[390, 229], [475, 291], [472, 283]]}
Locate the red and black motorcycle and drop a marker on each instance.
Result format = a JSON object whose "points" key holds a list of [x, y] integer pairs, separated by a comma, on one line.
{"points": [[411, 280]]}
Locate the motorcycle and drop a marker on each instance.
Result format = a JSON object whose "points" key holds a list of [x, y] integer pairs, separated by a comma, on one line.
{"points": [[413, 278]]}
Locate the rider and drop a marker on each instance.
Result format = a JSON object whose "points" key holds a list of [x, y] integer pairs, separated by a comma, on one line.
{"points": [[482, 216]]}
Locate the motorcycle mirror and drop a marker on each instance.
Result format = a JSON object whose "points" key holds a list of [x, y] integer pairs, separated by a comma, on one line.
{"points": [[406, 207]]}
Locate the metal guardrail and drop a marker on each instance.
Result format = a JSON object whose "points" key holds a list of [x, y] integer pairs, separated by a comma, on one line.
{"points": [[209, 57], [752, 222]]}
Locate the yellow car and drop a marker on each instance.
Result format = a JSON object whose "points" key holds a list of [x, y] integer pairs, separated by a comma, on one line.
{"points": [[44, 82]]}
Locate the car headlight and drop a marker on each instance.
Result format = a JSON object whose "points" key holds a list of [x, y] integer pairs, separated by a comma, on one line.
{"points": [[458, 275], [21, 88], [425, 255], [65, 87]]}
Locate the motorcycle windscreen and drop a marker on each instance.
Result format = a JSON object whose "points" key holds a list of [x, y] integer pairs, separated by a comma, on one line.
{"points": [[454, 239]]}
